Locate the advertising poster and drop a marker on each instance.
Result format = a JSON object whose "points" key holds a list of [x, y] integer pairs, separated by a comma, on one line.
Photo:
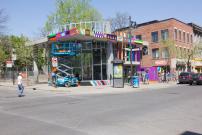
{"points": [[118, 71]]}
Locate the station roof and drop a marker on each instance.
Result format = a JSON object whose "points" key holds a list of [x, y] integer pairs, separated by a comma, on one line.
{"points": [[76, 35]]}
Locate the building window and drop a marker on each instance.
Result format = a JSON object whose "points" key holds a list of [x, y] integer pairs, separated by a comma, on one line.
{"points": [[154, 36], [184, 37], [175, 34], [180, 34], [164, 34], [187, 37], [155, 53], [165, 53], [139, 37], [191, 39]]}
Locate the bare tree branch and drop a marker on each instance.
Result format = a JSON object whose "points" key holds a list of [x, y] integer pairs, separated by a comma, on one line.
{"points": [[119, 21]]}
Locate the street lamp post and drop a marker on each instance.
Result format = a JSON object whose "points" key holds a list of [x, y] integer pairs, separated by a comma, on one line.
{"points": [[132, 25]]}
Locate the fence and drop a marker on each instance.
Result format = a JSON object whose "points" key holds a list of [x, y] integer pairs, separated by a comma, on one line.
{"points": [[9, 75]]}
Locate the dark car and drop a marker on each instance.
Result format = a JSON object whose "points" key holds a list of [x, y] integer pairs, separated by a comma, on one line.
{"points": [[185, 77], [196, 79]]}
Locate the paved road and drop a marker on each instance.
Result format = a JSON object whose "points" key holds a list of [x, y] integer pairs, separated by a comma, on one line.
{"points": [[169, 111]]}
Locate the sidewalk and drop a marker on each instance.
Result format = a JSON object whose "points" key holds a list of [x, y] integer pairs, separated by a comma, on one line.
{"points": [[83, 90]]}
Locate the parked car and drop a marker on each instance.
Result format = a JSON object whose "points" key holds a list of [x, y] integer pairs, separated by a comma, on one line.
{"points": [[185, 77], [196, 79]]}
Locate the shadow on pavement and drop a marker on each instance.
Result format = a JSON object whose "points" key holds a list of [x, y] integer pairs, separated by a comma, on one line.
{"points": [[190, 133]]}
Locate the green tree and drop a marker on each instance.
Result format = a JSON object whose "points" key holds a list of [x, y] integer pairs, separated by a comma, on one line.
{"points": [[195, 52], [39, 57], [5, 48], [168, 51], [23, 53], [71, 11], [169, 48]]}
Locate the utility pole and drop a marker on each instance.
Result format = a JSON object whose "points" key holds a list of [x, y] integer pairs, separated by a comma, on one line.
{"points": [[13, 58], [132, 25]]}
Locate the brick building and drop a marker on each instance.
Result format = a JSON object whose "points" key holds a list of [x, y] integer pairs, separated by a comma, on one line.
{"points": [[197, 40], [176, 32]]}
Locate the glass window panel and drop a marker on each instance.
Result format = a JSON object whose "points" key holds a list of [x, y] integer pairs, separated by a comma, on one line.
{"points": [[164, 34], [104, 72], [155, 53], [87, 65], [104, 54], [154, 36], [97, 72], [96, 56]]}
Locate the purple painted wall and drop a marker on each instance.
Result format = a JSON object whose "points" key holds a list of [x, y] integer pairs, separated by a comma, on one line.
{"points": [[153, 73]]}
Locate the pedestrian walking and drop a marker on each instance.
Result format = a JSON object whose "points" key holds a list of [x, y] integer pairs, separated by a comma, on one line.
{"points": [[20, 85]]}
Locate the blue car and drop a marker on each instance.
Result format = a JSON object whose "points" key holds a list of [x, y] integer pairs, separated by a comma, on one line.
{"points": [[67, 81]]}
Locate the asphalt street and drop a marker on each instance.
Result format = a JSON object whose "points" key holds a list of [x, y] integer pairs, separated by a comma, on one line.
{"points": [[169, 111]]}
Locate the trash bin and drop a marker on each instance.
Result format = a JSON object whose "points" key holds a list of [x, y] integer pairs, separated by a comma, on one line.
{"points": [[135, 82]]}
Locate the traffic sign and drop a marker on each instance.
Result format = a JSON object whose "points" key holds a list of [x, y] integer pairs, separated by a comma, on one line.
{"points": [[9, 63]]}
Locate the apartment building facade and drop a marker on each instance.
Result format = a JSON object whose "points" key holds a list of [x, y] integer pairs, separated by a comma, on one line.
{"points": [[157, 57], [197, 41]]}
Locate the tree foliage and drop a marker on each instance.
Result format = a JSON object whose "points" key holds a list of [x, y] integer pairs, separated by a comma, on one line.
{"points": [[15, 45], [23, 53], [119, 21], [4, 49], [169, 45], [71, 11], [39, 57]]}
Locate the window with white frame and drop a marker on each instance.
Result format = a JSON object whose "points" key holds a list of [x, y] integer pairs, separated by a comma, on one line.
{"points": [[175, 34], [154, 36], [165, 53], [184, 37], [187, 37], [155, 53], [180, 35], [164, 34]]}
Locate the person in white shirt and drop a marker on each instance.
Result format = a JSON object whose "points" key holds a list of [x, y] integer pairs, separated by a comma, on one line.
{"points": [[20, 85]]}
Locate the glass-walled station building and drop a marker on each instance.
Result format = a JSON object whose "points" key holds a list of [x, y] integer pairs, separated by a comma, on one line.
{"points": [[90, 60], [86, 53]]}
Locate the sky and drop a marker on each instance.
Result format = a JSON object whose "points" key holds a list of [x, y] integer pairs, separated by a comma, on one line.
{"points": [[27, 17]]}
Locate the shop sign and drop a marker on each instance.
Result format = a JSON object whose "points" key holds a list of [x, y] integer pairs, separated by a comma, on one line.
{"points": [[99, 35], [160, 63], [111, 37], [9, 63], [54, 62], [119, 38]]}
